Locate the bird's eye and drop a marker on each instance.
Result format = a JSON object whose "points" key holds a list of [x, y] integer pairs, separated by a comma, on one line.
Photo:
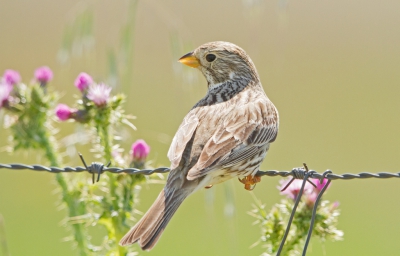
{"points": [[210, 57]]}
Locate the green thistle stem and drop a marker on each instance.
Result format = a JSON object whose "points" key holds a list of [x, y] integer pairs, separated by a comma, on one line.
{"points": [[74, 205], [106, 141]]}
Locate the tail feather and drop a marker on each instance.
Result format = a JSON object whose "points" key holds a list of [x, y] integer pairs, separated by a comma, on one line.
{"points": [[154, 234], [149, 229]]}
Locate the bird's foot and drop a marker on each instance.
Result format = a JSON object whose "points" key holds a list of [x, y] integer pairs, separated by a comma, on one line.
{"points": [[209, 186], [250, 182]]}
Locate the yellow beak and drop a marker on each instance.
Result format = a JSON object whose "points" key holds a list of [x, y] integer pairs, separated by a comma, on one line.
{"points": [[189, 60]]}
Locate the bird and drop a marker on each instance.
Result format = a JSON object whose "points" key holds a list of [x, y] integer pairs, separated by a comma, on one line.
{"points": [[226, 134]]}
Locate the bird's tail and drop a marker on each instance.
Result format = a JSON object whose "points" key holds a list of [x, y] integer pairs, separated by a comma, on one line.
{"points": [[149, 229]]}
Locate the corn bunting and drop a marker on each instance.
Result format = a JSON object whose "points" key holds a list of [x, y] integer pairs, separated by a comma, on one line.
{"points": [[226, 134]]}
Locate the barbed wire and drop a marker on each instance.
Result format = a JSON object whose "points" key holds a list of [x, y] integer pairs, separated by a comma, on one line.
{"points": [[92, 168], [297, 173]]}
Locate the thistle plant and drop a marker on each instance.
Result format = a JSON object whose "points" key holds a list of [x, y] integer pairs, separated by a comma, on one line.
{"points": [[29, 117], [111, 201], [273, 223], [30, 111]]}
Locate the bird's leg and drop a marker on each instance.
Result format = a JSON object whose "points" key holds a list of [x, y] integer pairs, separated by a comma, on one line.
{"points": [[250, 182], [209, 186]]}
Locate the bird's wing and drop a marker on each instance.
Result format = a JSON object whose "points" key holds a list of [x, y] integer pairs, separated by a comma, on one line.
{"points": [[238, 137], [182, 137]]}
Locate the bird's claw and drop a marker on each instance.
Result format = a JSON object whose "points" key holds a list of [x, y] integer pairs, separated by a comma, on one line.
{"points": [[209, 186], [250, 182]]}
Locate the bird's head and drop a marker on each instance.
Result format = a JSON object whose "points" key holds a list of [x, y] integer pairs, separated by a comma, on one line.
{"points": [[220, 62]]}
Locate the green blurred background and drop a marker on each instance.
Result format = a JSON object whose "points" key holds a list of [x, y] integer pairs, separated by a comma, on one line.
{"points": [[332, 68]]}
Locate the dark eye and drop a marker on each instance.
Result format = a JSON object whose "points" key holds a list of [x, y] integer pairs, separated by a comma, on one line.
{"points": [[210, 57]]}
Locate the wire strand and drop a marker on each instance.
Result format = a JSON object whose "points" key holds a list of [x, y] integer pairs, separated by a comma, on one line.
{"points": [[331, 176]]}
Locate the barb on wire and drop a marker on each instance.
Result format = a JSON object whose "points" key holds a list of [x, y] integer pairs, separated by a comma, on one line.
{"points": [[298, 173], [94, 168]]}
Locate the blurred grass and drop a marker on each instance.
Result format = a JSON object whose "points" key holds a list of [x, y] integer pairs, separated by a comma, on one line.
{"points": [[331, 68]]}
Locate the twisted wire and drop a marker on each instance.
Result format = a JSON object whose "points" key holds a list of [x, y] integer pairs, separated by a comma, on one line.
{"points": [[52, 169], [331, 176]]}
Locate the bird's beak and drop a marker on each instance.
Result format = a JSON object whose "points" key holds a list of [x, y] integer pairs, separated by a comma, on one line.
{"points": [[189, 60]]}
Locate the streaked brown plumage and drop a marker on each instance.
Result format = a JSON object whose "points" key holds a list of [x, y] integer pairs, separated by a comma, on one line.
{"points": [[225, 135]]}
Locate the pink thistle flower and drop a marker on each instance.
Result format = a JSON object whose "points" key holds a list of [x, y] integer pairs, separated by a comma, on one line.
{"points": [[43, 74], [63, 112], [83, 81], [140, 150], [320, 185], [293, 190], [11, 77], [5, 90], [99, 94]]}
